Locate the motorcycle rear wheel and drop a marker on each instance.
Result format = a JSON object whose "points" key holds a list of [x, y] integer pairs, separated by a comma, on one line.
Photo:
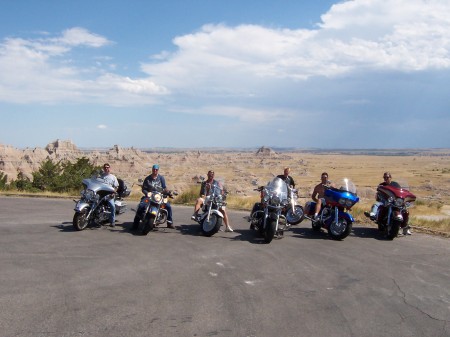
{"points": [[340, 230], [149, 224], [80, 221], [269, 233], [294, 218], [211, 227]]}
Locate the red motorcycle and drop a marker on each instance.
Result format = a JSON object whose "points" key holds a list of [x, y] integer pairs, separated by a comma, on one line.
{"points": [[393, 212]]}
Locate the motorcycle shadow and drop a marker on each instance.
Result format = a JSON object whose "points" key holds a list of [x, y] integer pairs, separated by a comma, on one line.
{"points": [[65, 227], [309, 233], [368, 233]]}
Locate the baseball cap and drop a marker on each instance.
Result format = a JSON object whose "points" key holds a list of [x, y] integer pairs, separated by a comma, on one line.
{"points": [[155, 167]]}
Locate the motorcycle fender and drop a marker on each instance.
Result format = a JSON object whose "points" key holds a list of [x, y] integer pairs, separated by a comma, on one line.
{"points": [[215, 211], [273, 216], [153, 210], [346, 216], [81, 205]]}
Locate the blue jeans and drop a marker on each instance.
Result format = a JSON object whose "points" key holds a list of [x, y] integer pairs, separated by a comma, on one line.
{"points": [[112, 216], [169, 212]]}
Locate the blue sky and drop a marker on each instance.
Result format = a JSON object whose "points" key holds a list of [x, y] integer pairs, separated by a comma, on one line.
{"points": [[324, 74]]}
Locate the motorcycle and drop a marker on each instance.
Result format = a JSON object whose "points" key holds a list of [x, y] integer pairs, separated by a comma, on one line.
{"points": [[267, 217], [334, 216], [93, 207], [151, 210], [293, 212], [393, 213], [211, 218]]}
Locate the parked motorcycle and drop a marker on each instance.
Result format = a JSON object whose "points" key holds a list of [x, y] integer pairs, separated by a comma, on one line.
{"points": [[393, 213], [211, 218], [334, 216], [267, 217], [151, 210], [93, 207], [293, 212]]}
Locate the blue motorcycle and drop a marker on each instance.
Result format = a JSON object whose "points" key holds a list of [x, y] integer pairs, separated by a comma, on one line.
{"points": [[334, 216]]}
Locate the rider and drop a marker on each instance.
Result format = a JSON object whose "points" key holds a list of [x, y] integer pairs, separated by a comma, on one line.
{"points": [[318, 194], [110, 179], [204, 189], [373, 215], [374, 210], [287, 178], [157, 180]]}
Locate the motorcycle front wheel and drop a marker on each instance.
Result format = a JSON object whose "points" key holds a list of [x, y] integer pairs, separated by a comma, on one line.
{"points": [[269, 233], [149, 224], [393, 231], [80, 221], [296, 216], [340, 230], [211, 227]]}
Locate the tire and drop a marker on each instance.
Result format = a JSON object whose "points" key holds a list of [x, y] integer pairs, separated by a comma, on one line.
{"points": [[340, 230], [393, 232], [294, 218], [136, 221], [211, 227], [149, 224], [269, 233], [80, 221]]}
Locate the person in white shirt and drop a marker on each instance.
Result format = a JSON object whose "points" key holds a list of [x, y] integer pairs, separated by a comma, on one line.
{"points": [[110, 179]]}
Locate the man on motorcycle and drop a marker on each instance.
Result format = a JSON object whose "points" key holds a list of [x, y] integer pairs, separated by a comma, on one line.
{"points": [[287, 178], [373, 215], [204, 189], [157, 180], [318, 194], [110, 179]]}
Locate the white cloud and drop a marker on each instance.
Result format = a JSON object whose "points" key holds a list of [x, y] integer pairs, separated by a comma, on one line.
{"points": [[102, 126]]}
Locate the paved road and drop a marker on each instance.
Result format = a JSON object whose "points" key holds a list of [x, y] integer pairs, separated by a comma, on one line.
{"points": [[55, 281]]}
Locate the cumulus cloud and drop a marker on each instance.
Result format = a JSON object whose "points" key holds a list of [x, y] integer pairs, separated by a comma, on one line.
{"points": [[102, 126], [41, 70]]}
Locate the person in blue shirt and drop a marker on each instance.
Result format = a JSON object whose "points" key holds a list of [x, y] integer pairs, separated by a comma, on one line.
{"points": [[156, 180]]}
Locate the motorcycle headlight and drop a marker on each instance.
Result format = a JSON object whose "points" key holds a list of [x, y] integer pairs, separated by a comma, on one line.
{"points": [[391, 199], [266, 198], [342, 201], [275, 200], [348, 203], [88, 194], [399, 202], [157, 197]]}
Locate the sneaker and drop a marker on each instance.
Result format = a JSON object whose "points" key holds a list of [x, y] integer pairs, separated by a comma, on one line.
{"points": [[112, 224], [229, 229], [194, 217], [406, 231], [170, 224]]}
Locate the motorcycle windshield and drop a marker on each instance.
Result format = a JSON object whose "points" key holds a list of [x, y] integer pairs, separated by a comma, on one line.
{"points": [[346, 185], [97, 183], [277, 187], [216, 189]]}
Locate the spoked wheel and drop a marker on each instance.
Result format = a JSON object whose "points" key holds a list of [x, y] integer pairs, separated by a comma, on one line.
{"points": [[340, 230], [296, 216], [80, 220], [211, 227], [269, 233], [149, 224]]}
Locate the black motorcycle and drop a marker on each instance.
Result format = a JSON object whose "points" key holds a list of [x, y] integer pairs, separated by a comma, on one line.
{"points": [[152, 210], [267, 217]]}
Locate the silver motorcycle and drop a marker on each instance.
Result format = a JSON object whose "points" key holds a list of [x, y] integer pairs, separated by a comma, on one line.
{"points": [[93, 208], [267, 217]]}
